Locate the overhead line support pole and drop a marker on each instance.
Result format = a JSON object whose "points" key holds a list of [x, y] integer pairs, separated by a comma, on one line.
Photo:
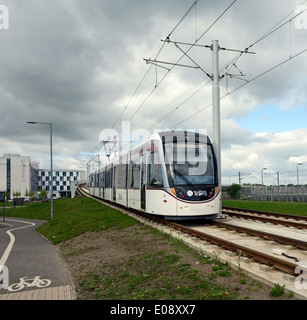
{"points": [[215, 77], [216, 109]]}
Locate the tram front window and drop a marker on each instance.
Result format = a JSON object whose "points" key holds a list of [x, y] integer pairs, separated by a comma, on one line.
{"points": [[190, 164]]}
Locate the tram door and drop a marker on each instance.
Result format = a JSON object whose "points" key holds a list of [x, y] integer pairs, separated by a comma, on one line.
{"points": [[114, 183], [143, 182]]}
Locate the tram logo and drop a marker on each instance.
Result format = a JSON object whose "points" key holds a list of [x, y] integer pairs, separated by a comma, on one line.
{"points": [[190, 193], [200, 193]]}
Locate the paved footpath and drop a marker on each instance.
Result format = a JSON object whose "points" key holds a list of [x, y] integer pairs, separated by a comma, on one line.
{"points": [[31, 268]]}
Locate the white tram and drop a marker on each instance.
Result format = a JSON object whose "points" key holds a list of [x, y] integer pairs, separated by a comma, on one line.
{"points": [[173, 174]]}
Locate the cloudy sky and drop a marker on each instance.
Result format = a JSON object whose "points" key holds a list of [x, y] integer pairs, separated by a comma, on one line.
{"points": [[79, 64]]}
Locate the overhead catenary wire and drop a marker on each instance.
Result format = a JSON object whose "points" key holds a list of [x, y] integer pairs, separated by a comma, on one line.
{"points": [[272, 30], [185, 15], [180, 105], [270, 69], [268, 33], [185, 53], [277, 26], [164, 107], [136, 92], [243, 85], [156, 56]]}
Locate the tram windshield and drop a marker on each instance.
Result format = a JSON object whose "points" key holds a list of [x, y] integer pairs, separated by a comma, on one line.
{"points": [[190, 163]]}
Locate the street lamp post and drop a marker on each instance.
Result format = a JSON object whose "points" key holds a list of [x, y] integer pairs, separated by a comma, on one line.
{"points": [[297, 178], [262, 174], [51, 164]]}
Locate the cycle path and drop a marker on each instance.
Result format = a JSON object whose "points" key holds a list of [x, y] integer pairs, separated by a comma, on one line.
{"points": [[31, 262]]}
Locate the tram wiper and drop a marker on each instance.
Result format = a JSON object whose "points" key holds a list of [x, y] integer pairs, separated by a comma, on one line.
{"points": [[183, 177]]}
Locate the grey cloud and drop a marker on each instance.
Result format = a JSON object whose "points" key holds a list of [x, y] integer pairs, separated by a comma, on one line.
{"points": [[75, 62]]}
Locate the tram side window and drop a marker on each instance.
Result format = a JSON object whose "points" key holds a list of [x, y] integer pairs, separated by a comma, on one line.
{"points": [[120, 176], [117, 177], [101, 179], [92, 184], [155, 172], [134, 176], [108, 180]]}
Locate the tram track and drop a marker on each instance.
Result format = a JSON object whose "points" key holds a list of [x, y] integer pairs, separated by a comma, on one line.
{"points": [[266, 213], [264, 235], [268, 217], [258, 256]]}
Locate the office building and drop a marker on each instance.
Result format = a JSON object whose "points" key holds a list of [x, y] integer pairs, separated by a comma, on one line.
{"points": [[62, 180], [18, 175]]}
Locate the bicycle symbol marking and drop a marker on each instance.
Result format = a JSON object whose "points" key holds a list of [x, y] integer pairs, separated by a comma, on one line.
{"points": [[29, 283]]}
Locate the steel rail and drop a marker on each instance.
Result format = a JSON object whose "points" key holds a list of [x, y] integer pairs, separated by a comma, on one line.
{"points": [[261, 257], [267, 213], [265, 219], [265, 235]]}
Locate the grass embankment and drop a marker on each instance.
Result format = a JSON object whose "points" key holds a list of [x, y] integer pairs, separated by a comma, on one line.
{"points": [[116, 257], [72, 217], [295, 208]]}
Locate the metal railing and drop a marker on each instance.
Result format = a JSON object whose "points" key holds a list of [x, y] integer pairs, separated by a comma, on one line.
{"points": [[271, 193]]}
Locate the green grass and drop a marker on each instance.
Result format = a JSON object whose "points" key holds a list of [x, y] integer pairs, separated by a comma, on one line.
{"points": [[72, 217], [153, 276], [295, 208], [148, 274], [277, 290]]}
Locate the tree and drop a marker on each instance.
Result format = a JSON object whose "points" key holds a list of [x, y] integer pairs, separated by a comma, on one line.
{"points": [[43, 194], [16, 193], [30, 195], [233, 190]]}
